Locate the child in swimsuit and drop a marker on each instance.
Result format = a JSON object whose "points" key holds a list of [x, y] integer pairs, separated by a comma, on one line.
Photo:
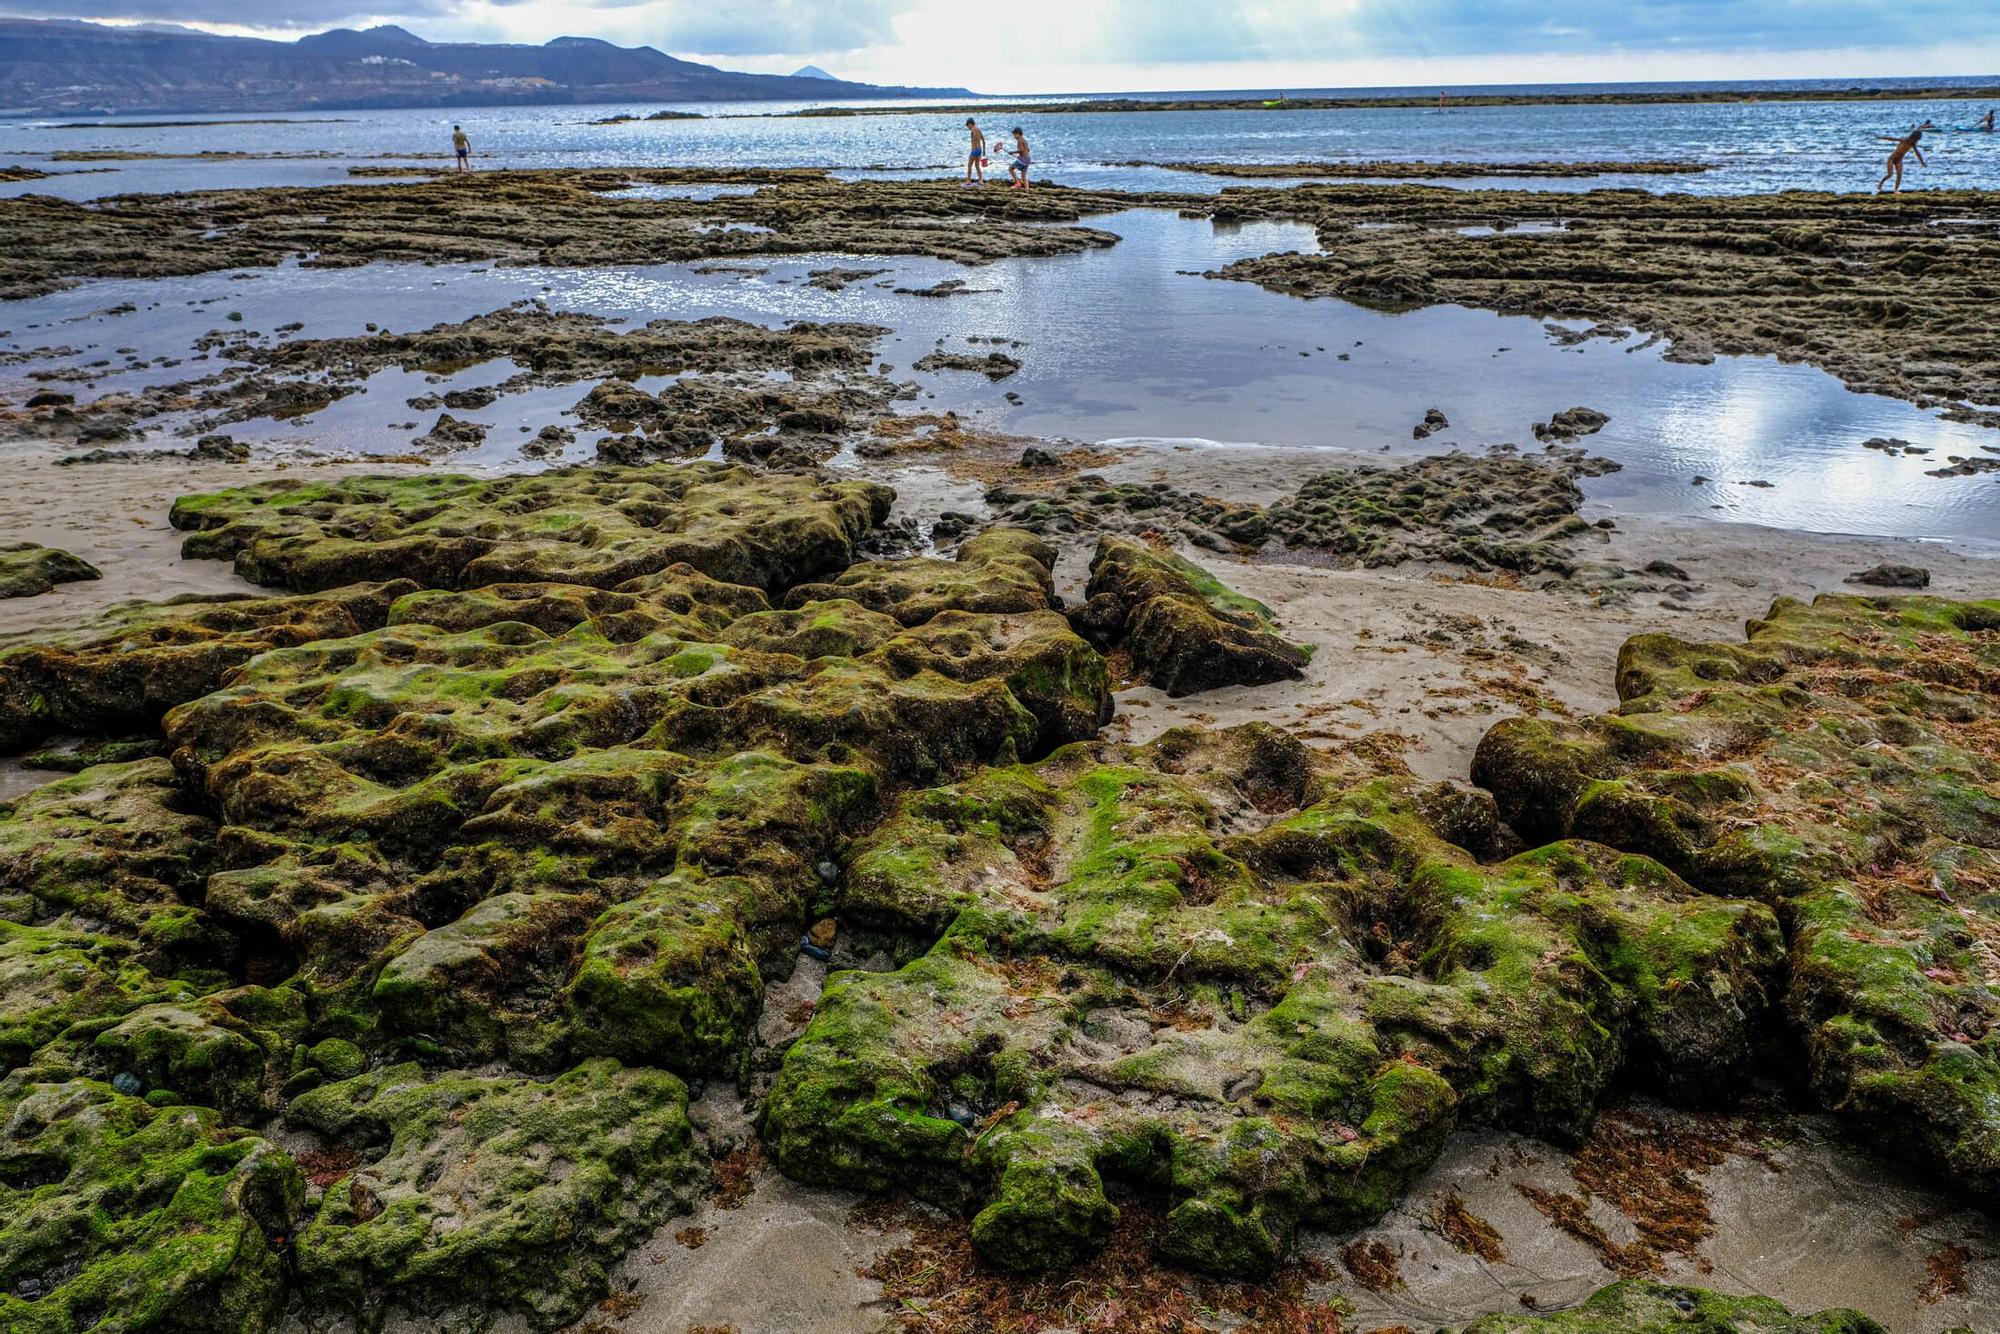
{"points": [[1019, 170]]}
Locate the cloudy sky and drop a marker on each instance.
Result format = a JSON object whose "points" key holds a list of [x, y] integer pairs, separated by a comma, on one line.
{"points": [[1095, 45]]}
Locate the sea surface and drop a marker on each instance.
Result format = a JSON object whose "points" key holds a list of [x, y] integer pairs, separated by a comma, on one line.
{"points": [[1129, 344], [1751, 146]]}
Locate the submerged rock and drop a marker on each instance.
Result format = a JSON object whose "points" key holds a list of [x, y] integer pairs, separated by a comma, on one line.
{"points": [[1839, 765], [1184, 630]]}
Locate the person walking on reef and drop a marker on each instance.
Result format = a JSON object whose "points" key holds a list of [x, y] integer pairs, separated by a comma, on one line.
{"points": [[461, 146], [1903, 148], [1017, 171], [975, 165]]}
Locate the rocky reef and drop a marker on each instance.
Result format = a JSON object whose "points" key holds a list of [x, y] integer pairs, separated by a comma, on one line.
{"points": [[564, 218], [487, 857], [1230, 969], [1873, 290], [1500, 512], [1840, 766], [1655, 1308], [372, 956]]}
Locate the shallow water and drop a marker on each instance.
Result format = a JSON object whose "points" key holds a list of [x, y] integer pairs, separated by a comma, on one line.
{"points": [[1752, 146], [1126, 344]]}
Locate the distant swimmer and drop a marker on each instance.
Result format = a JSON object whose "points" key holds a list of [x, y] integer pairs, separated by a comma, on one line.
{"points": [[461, 146], [1987, 124], [975, 165], [1903, 148], [1018, 169]]}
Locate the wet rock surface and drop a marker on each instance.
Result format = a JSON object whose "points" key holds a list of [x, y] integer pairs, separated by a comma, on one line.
{"points": [[1840, 766], [1873, 290], [27, 569], [1180, 628], [565, 827], [1175, 966], [566, 218], [1501, 511]]}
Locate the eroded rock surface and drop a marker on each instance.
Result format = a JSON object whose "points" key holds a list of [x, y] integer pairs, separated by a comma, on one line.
{"points": [[1183, 630], [27, 569], [1260, 982], [1839, 765]]}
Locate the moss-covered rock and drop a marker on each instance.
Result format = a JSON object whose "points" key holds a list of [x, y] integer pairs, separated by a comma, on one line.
{"points": [[1272, 1027], [595, 526], [117, 1215], [1840, 765], [120, 675], [490, 1192], [1638, 1307], [1184, 631], [115, 850], [27, 569], [1002, 570]]}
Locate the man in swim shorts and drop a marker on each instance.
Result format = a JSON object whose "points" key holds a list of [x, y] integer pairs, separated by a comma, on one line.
{"points": [[1018, 170], [975, 165], [461, 146]]}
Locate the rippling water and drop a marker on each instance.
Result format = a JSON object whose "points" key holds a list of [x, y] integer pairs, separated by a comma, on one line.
{"points": [[1753, 146]]}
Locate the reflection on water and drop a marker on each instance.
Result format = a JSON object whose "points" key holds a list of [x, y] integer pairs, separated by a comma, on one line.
{"points": [[1129, 342]]}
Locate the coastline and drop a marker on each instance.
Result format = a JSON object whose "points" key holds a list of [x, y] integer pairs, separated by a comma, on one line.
{"points": [[638, 850]]}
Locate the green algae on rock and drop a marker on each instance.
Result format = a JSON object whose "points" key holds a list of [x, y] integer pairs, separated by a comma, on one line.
{"points": [[1638, 1307], [1841, 764], [27, 569], [1272, 1027], [490, 1192], [118, 1215], [570, 827], [596, 526], [1185, 631], [121, 674], [544, 821]]}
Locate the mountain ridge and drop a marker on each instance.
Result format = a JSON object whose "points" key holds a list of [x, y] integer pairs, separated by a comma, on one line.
{"points": [[74, 67]]}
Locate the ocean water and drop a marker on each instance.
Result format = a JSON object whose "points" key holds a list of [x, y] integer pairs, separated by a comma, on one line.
{"points": [[1127, 344], [1750, 146]]}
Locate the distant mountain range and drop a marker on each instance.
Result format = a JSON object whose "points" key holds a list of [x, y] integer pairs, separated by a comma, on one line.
{"points": [[62, 66]]}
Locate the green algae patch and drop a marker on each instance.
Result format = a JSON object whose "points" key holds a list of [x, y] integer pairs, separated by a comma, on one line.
{"points": [[491, 1192], [599, 527], [120, 675], [27, 570], [1268, 1028], [1183, 630], [117, 1215], [1638, 1307], [1841, 764]]}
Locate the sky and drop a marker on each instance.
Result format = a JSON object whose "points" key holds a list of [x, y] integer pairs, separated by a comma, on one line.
{"points": [[1109, 45]]}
